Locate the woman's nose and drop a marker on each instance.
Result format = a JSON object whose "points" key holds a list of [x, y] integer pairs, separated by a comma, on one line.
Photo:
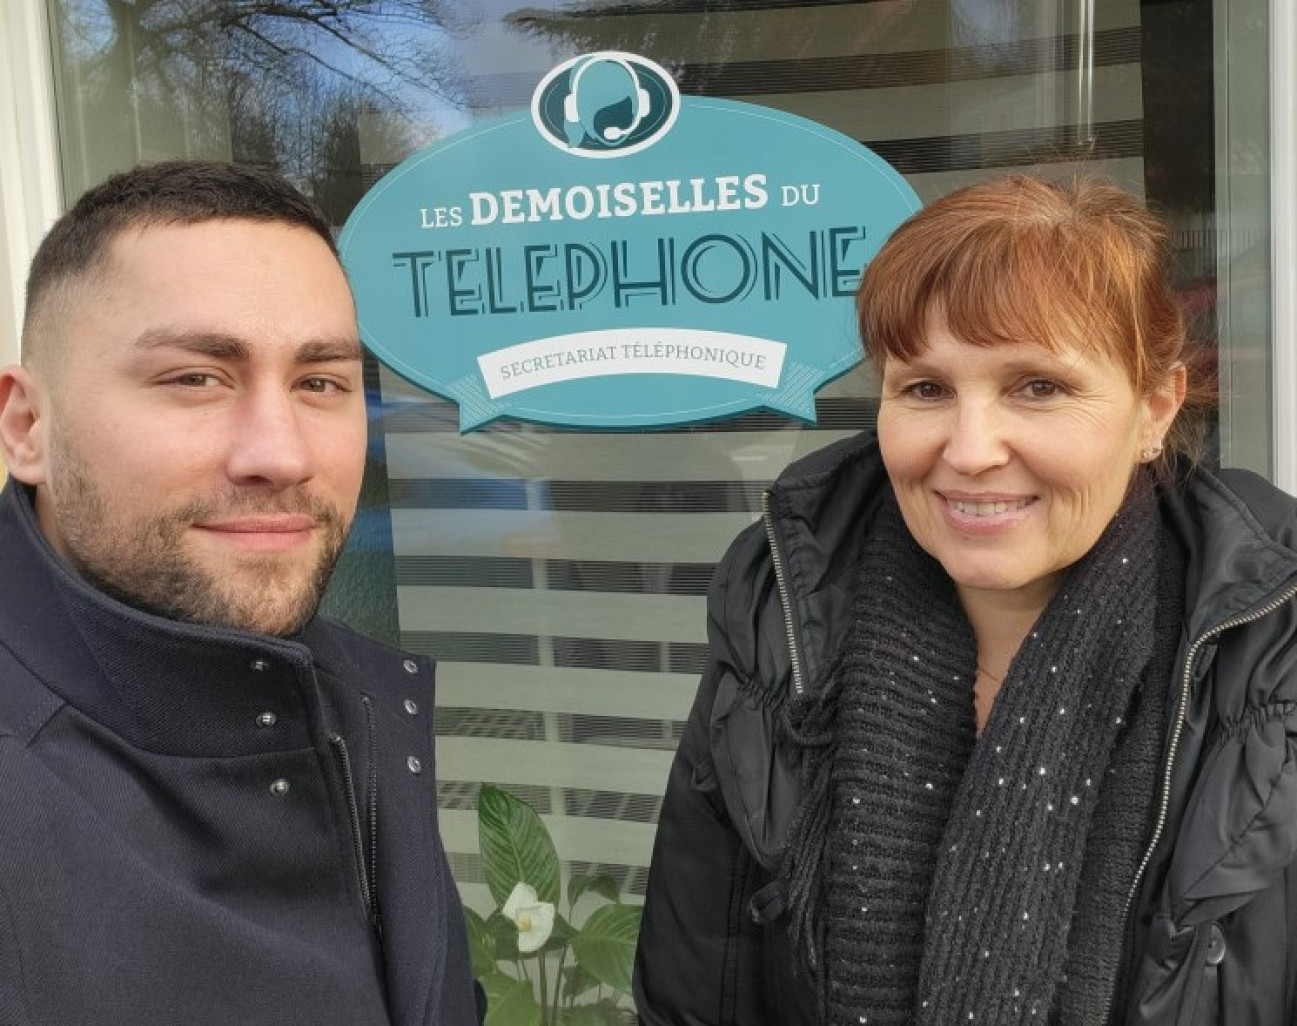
{"points": [[976, 439]]}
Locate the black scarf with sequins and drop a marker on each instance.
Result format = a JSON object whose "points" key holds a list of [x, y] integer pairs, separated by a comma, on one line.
{"points": [[961, 879]]}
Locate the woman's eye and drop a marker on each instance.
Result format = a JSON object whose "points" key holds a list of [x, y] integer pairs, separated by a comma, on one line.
{"points": [[927, 390]]}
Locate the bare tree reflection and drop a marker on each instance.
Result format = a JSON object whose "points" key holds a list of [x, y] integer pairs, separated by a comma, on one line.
{"points": [[296, 84]]}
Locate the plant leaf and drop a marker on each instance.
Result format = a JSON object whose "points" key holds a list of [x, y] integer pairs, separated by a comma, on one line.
{"points": [[604, 886], [605, 947], [605, 1013], [481, 945], [563, 930], [510, 1002], [504, 935], [516, 847], [576, 981]]}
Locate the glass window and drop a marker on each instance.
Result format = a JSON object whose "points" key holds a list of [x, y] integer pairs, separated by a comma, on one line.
{"points": [[559, 576]]}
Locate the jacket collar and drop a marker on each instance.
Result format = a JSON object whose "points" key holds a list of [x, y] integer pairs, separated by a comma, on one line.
{"points": [[164, 686], [817, 515], [1240, 534]]}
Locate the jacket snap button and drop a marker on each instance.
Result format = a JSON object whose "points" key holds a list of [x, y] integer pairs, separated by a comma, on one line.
{"points": [[1216, 946], [267, 719], [411, 666], [416, 767], [411, 706], [279, 788], [259, 665]]}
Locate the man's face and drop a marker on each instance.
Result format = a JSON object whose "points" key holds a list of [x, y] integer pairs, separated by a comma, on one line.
{"points": [[204, 434]]}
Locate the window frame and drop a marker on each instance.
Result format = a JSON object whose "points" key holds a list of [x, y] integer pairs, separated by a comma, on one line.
{"points": [[1283, 241]]}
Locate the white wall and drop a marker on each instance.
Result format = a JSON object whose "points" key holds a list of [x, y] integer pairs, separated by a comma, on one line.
{"points": [[29, 177]]}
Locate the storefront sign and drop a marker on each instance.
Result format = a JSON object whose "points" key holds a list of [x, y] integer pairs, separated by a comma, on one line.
{"points": [[622, 256]]}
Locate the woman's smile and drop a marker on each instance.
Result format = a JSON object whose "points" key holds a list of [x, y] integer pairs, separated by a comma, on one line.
{"points": [[985, 513]]}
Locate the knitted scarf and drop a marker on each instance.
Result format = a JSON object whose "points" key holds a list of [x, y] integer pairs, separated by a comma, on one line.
{"points": [[936, 877]]}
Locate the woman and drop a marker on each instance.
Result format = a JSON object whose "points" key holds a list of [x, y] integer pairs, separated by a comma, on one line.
{"points": [[999, 719]]}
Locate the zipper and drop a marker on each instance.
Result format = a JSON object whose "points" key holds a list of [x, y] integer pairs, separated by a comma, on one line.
{"points": [[366, 855], [781, 585], [1182, 705], [372, 735]]}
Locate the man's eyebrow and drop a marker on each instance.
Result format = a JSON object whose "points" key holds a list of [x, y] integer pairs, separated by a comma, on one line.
{"points": [[202, 343], [329, 350], [220, 346]]}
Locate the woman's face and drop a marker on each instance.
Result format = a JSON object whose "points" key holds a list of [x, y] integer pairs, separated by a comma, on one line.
{"points": [[1009, 461]]}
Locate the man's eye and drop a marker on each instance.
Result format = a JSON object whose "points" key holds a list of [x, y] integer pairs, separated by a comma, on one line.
{"points": [[196, 379], [321, 386]]}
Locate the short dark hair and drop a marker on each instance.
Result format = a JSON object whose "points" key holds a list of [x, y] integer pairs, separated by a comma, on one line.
{"points": [[174, 192]]}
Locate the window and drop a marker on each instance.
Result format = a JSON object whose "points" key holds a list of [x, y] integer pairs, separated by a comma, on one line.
{"points": [[559, 576]]}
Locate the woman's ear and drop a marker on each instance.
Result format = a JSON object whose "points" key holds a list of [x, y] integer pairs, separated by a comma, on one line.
{"points": [[23, 407], [1162, 404]]}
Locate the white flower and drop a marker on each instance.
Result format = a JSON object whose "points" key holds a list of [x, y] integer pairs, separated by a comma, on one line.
{"points": [[534, 918]]}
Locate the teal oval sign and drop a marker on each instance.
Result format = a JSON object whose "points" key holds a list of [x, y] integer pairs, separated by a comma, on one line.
{"points": [[622, 256]]}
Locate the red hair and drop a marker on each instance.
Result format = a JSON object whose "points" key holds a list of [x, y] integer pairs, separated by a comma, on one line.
{"points": [[1016, 260]]}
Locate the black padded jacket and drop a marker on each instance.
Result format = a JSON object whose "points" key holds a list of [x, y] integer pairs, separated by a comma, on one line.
{"points": [[1213, 918]]}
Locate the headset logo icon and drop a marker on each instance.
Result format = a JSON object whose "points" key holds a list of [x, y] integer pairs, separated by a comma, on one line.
{"points": [[605, 104]]}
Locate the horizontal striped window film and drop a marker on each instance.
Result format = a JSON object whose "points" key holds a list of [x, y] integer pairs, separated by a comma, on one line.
{"points": [[560, 578]]}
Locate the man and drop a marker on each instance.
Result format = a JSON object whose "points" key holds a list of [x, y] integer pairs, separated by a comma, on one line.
{"points": [[215, 807]]}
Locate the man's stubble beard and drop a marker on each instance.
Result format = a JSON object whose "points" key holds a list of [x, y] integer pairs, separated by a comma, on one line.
{"points": [[144, 564]]}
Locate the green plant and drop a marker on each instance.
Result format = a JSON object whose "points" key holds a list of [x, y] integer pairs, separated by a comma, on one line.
{"points": [[537, 967]]}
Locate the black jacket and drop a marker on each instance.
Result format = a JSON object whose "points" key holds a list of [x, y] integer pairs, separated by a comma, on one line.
{"points": [[1216, 906], [209, 826]]}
